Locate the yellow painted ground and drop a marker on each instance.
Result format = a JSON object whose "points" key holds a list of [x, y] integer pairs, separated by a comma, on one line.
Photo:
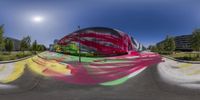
{"points": [[188, 69], [37, 65], [2, 68], [17, 72], [184, 65]]}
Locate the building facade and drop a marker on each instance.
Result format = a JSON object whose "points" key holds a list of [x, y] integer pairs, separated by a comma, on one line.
{"points": [[183, 42], [16, 43]]}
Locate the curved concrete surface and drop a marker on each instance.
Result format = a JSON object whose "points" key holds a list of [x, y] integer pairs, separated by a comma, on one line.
{"points": [[26, 82], [145, 86], [180, 74], [58, 66], [159, 82]]}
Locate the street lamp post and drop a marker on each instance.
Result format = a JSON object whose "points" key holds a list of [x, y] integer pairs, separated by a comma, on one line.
{"points": [[79, 46]]}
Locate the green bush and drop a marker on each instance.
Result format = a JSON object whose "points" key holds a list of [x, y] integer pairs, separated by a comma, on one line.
{"points": [[190, 58], [6, 53], [165, 52], [21, 54], [184, 58], [1, 59], [7, 57], [14, 55]]}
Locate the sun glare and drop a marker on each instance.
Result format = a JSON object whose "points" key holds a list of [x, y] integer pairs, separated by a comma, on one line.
{"points": [[37, 19]]}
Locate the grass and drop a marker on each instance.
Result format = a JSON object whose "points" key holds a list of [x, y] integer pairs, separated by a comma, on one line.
{"points": [[186, 56], [5, 56]]}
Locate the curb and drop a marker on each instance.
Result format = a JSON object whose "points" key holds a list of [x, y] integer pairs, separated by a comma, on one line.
{"points": [[184, 61]]}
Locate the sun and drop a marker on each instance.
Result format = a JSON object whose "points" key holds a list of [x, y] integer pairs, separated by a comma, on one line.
{"points": [[38, 19]]}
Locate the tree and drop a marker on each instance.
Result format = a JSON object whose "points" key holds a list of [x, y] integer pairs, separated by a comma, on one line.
{"points": [[196, 40], [25, 43], [57, 48], [161, 47], [1, 37], [169, 44], [41, 47], [8, 45], [154, 49], [150, 47], [34, 46]]}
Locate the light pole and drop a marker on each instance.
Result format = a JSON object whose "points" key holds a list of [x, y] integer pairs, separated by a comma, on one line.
{"points": [[79, 46]]}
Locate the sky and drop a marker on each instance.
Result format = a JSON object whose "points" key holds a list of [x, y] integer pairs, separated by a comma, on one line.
{"points": [[148, 21]]}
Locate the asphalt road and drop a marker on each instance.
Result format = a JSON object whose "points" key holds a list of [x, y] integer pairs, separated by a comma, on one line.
{"points": [[145, 86]]}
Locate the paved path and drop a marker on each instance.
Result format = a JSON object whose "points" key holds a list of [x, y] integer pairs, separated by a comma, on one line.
{"points": [[144, 86], [92, 70], [150, 84]]}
